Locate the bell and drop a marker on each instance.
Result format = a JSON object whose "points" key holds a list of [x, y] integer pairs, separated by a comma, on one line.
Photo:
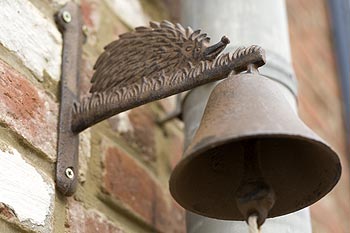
{"points": [[250, 136]]}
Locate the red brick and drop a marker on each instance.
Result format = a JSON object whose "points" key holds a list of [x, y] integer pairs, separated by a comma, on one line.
{"points": [[143, 121], [88, 221], [128, 182], [6, 212], [85, 76], [27, 110], [320, 101], [170, 217], [175, 151], [142, 136]]}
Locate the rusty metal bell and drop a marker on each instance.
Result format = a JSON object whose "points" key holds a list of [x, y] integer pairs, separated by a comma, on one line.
{"points": [[298, 165]]}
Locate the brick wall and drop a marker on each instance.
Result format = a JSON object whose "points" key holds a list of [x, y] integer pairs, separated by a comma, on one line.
{"points": [[320, 101], [125, 162]]}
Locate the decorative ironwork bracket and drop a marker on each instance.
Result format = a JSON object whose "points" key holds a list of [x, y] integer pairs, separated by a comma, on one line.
{"points": [[69, 22], [142, 66]]}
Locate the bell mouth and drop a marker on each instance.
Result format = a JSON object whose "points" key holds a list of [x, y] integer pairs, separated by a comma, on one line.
{"points": [[299, 170]]}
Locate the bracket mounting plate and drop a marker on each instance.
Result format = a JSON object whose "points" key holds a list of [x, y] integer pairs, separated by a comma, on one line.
{"points": [[69, 22]]}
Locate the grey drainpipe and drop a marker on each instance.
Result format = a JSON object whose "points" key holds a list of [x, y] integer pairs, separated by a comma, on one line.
{"points": [[245, 22], [340, 19]]}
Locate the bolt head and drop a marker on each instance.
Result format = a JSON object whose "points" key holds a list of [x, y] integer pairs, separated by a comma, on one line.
{"points": [[66, 16], [69, 173]]}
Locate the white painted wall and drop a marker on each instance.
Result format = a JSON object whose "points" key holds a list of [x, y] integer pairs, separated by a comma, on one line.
{"points": [[33, 38], [23, 188]]}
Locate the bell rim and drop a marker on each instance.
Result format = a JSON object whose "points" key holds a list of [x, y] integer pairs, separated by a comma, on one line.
{"points": [[317, 141]]}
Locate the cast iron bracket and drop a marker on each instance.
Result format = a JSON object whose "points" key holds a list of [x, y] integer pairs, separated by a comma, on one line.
{"points": [[147, 64], [69, 22]]}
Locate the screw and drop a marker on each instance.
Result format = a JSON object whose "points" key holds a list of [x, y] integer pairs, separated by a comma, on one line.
{"points": [[66, 16], [70, 173]]}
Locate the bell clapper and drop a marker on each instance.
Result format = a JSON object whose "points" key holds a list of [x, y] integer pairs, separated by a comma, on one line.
{"points": [[254, 196]]}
